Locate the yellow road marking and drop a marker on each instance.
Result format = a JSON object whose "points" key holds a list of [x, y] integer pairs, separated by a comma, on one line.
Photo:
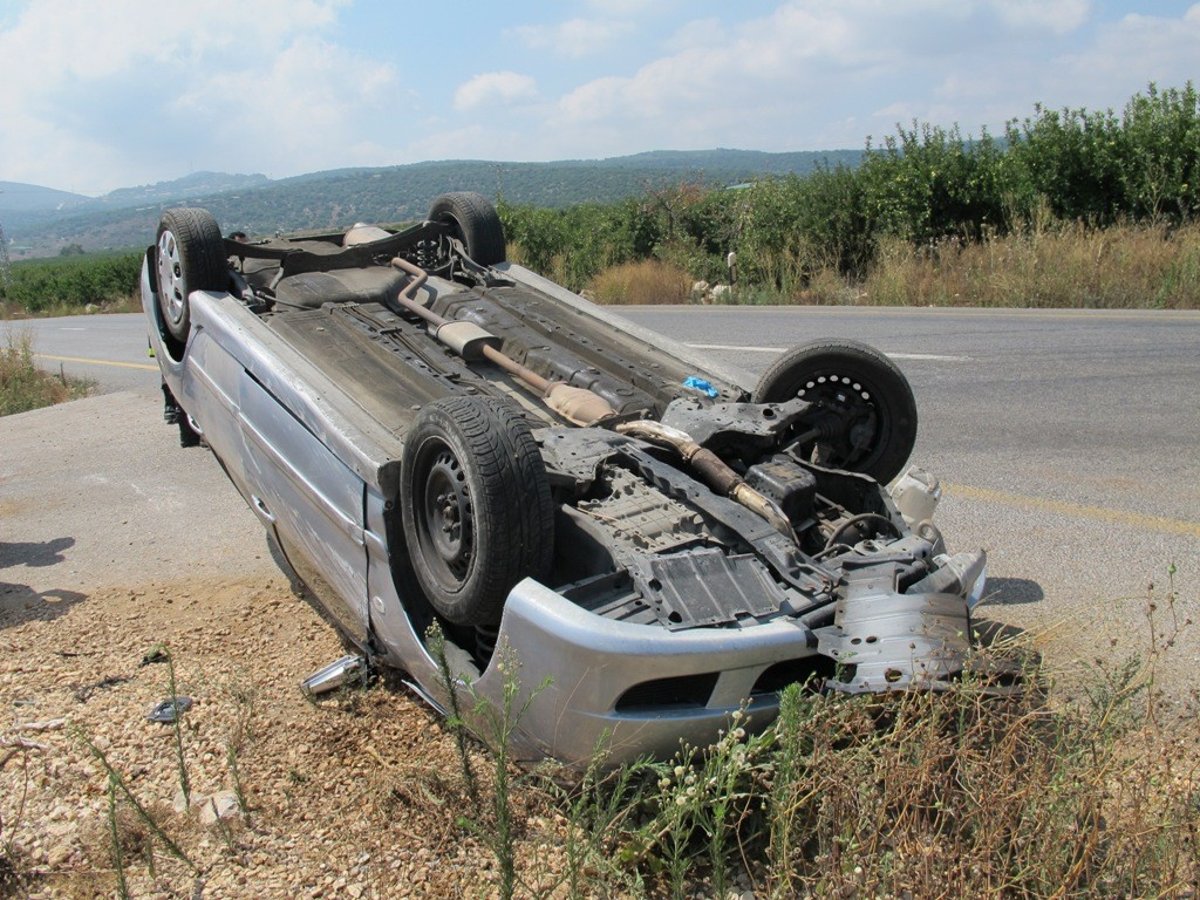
{"points": [[1062, 507], [98, 362]]}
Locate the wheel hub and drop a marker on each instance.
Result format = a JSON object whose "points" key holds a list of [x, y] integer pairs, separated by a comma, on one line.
{"points": [[446, 517], [851, 400]]}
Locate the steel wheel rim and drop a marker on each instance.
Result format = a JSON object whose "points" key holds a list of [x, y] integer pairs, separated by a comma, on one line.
{"points": [[445, 516]]}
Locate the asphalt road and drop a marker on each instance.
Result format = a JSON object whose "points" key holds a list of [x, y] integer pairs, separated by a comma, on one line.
{"points": [[1069, 441]]}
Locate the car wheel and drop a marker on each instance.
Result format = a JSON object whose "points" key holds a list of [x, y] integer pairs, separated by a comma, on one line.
{"points": [[190, 256], [859, 382], [476, 507], [473, 220]]}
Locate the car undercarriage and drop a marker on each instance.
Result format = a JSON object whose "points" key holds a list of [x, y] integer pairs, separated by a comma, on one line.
{"points": [[433, 434]]}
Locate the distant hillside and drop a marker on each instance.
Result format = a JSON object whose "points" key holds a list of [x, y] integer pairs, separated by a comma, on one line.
{"points": [[197, 184], [341, 197], [754, 161], [15, 196], [32, 213]]}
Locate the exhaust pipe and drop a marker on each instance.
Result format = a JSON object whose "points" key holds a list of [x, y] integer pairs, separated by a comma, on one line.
{"points": [[351, 669], [712, 469], [577, 405]]}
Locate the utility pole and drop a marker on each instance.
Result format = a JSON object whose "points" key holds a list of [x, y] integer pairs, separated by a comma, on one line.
{"points": [[4, 266]]}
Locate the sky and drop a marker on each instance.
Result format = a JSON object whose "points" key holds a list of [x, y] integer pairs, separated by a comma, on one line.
{"points": [[100, 95]]}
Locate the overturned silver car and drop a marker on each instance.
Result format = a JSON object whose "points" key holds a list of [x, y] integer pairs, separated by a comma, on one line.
{"points": [[429, 433]]}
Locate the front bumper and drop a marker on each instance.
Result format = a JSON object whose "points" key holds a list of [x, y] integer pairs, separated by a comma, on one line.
{"points": [[635, 690]]}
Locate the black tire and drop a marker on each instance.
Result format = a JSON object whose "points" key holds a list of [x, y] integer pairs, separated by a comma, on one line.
{"points": [[189, 256], [861, 380], [473, 220], [476, 507]]}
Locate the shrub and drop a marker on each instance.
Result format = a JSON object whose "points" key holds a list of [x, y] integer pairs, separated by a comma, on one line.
{"points": [[647, 282], [929, 216], [39, 285], [571, 245]]}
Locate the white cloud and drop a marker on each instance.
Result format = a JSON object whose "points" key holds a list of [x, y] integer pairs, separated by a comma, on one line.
{"points": [[1126, 56], [597, 99], [788, 79], [62, 39], [632, 7], [715, 67], [305, 110], [697, 33], [1118, 60], [145, 90], [494, 87], [142, 90], [574, 38], [1059, 16]]}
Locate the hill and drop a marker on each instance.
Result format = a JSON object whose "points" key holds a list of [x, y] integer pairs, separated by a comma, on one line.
{"points": [[340, 197], [197, 184], [755, 161], [18, 197]]}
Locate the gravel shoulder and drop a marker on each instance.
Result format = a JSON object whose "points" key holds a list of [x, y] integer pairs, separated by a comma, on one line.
{"points": [[352, 797]]}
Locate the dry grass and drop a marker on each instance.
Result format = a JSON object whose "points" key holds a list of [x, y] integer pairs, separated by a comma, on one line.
{"points": [[649, 281], [23, 386], [558, 271], [954, 794], [938, 794], [959, 795], [1046, 264], [1061, 266], [131, 303]]}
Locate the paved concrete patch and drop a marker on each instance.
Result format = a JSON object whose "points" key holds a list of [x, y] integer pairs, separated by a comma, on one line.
{"points": [[97, 493]]}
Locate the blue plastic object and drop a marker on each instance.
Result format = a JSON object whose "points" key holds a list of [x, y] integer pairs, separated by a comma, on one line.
{"points": [[699, 384]]}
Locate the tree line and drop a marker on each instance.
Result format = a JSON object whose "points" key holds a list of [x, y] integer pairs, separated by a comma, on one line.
{"points": [[72, 279], [926, 185]]}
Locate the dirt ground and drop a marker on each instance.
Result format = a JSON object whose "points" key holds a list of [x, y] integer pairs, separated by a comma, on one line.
{"points": [[352, 797]]}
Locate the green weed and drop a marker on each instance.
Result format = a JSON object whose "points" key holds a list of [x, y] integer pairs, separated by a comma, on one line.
{"points": [[24, 386]]}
